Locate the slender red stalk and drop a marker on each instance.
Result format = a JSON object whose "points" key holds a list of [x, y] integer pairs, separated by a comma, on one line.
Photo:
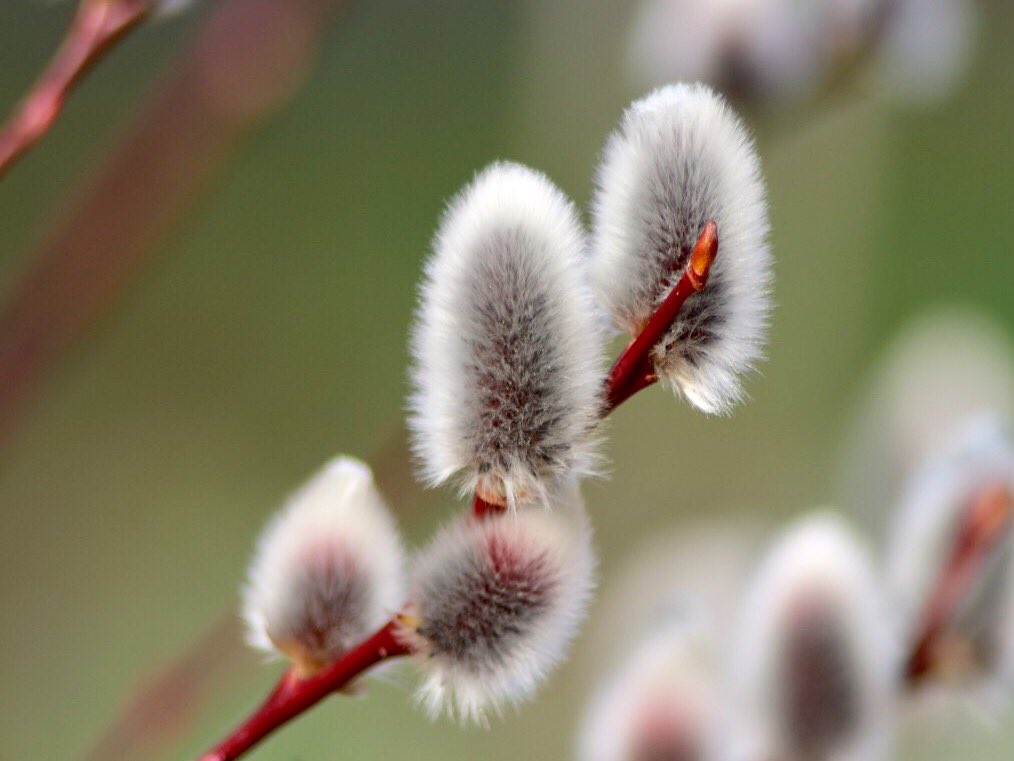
{"points": [[633, 369], [164, 704], [293, 695], [482, 508], [247, 61], [97, 26], [985, 521], [632, 372]]}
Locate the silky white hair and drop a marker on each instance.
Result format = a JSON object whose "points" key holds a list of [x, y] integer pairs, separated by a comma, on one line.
{"points": [[927, 48], [814, 663], [498, 600], [662, 700], [920, 546], [947, 366], [777, 49], [167, 8], [507, 376], [681, 157], [327, 570]]}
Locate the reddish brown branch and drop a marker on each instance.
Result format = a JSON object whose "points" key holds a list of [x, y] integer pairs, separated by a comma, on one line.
{"points": [[481, 507], [631, 373], [984, 522], [163, 705], [97, 26], [293, 695], [247, 61], [634, 369]]}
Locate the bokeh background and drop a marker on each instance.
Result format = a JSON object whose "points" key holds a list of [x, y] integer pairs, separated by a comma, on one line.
{"points": [[265, 330]]}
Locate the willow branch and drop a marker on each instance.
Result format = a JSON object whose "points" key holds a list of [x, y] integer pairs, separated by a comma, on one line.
{"points": [[294, 695], [163, 705], [984, 523], [634, 369], [248, 60], [97, 26]]}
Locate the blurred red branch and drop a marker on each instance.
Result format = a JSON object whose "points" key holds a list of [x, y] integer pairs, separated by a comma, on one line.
{"points": [[983, 524], [168, 700], [97, 26], [247, 61]]}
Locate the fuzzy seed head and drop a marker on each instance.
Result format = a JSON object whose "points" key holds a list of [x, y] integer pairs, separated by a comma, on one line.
{"points": [[680, 158], [167, 8], [328, 569], [947, 366], [975, 656], [507, 379], [927, 48], [498, 599], [814, 665], [760, 49], [662, 702]]}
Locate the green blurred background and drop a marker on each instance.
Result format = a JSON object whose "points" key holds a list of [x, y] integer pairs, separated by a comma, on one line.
{"points": [[269, 333]]}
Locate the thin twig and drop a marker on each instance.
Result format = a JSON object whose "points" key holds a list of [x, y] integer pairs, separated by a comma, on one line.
{"points": [[248, 61], [97, 26], [165, 703], [634, 369], [293, 695], [983, 523], [162, 708]]}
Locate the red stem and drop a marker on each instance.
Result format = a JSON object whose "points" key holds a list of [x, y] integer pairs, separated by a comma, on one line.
{"points": [[632, 372], [293, 695], [482, 508], [247, 61], [985, 520], [634, 369], [97, 26]]}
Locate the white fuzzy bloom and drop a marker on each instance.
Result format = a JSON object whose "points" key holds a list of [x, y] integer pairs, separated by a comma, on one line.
{"points": [[945, 367], [662, 702], [927, 48], [761, 49], [507, 376], [498, 600], [814, 664], [786, 49], [681, 157], [976, 658], [166, 8], [328, 568], [704, 567]]}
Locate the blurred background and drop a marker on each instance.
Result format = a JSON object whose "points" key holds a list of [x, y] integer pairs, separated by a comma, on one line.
{"points": [[251, 321]]}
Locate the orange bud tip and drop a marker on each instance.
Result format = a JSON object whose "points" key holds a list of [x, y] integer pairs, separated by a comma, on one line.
{"points": [[993, 507], [703, 256]]}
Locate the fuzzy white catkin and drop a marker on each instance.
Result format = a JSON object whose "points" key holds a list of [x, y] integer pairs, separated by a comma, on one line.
{"points": [[498, 600], [704, 567], [507, 376], [947, 366], [662, 701], [328, 568], [980, 669], [681, 157], [763, 49], [167, 8], [814, 662], [927, 48]]}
